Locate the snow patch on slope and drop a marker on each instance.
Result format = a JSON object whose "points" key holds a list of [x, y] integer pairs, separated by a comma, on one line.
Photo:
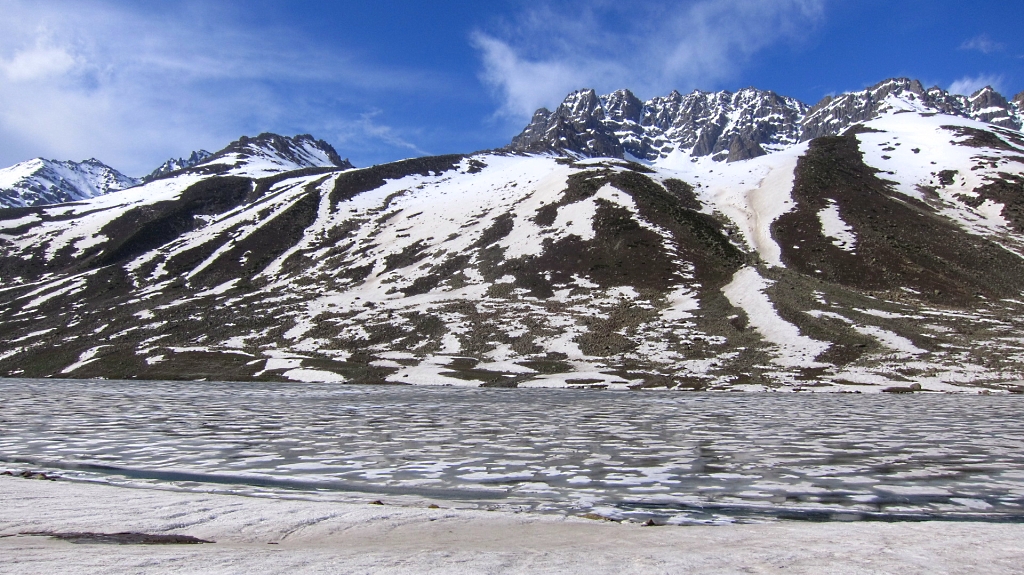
{"points": [[747, 292], [833, 226], [752, 193], [911, 149]]}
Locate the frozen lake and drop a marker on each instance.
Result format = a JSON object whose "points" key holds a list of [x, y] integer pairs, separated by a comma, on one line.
{"points": [[677, 457]]}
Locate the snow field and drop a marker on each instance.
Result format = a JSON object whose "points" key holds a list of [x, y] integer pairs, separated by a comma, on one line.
{"points": [[313, 536]]}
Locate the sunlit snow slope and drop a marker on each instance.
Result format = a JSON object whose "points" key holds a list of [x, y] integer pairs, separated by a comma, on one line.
{"points": [[887, 254]]}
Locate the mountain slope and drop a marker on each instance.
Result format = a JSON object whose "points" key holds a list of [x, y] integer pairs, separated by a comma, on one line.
{"points": [[888, 254], [39, 182]]}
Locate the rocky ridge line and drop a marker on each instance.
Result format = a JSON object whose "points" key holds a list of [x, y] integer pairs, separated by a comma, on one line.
{"points": [[733, 126]]}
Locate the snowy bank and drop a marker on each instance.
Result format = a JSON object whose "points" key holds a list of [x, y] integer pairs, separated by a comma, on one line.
{"points": [[302, 536]]}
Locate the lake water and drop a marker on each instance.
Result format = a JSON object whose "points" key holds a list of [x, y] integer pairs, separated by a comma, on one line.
{"points": [[676, 457]]}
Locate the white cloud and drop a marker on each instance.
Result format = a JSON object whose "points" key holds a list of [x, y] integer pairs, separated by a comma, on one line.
{"points": [[132, 88], [528, 85], [649, 48], [982, 44], [969, 85], [37, 63]]}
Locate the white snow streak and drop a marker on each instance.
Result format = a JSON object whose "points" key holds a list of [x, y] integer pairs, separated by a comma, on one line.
{"points": [[746, 291], [833, 226]]}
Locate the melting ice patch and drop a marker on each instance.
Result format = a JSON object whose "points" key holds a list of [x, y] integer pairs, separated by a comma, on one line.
{"points": [[682, 301], [746, 291], [833, 226]]}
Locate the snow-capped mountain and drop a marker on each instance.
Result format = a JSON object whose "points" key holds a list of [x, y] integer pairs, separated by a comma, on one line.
{"points": [[734, 126], [885, 254], [41, 182], [268, 154], [174, 164], [834, 114], [38, 182]]}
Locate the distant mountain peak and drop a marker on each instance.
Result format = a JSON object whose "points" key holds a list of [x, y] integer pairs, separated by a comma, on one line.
{"points": [[269, 153], [39, 182], [174, 164]]}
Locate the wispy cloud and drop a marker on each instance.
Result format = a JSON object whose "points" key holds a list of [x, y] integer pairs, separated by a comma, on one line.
{"points": [[559, 47], [982, 44], [970, 84], [91, 78], [367, 127]]}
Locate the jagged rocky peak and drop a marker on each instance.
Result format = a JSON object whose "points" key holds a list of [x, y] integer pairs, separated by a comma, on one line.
{"points": [[174, 164], [834, 114], [577, 126], [990, 106], [623, 106], [40, 182], [737, 126], [733, 126], [725, 125]]}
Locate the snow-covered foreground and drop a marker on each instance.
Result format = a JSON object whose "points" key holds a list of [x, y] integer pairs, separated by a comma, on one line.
{"points": [[298, 536]]}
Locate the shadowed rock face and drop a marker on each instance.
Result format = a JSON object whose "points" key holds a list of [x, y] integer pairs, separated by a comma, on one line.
{"points": [[733, 126]]}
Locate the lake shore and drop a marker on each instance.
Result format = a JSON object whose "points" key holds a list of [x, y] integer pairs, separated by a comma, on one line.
{"points": [[273, 535]]}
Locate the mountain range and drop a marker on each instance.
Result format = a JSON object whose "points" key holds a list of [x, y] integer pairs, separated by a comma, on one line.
{"points": [[40, 182], [709, 241]]}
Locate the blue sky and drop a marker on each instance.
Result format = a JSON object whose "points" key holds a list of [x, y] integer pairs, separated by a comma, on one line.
{"points": [[133, 83]]}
